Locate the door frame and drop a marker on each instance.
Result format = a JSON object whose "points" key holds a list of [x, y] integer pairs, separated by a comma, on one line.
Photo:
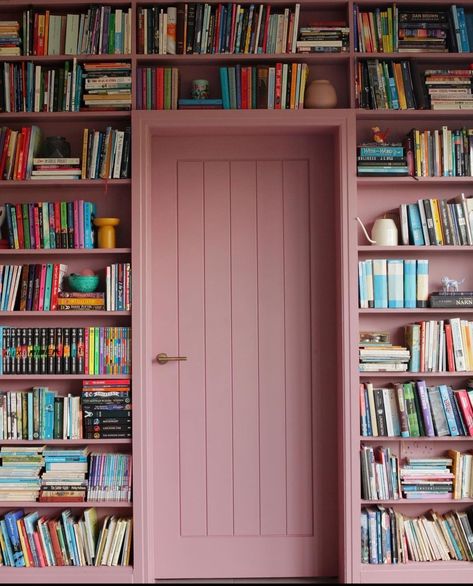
{"points": [[146, 125]]}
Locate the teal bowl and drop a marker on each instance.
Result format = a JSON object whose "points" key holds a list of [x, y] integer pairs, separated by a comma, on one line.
{"points": [[83, 283]]}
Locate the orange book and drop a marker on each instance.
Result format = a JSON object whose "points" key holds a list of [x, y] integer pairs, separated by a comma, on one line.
{"points": [[46, 32], [292, 101], [55, 542], [400, 86]]}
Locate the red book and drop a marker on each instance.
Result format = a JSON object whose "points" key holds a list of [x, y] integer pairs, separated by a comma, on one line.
{"points": [[36, 287], [266, 28], [3, 158], [244, 88], [26, 147], [103, 382], [154, 98], [18, 150], [141, 31], [39, 550], [35, 34], [86, 351], [55, 542], [160, 88], [232, 31], [465, 407], [277, 93], [42, 282], [55, 287], [218, 17], [449, 346], [19, 224]]}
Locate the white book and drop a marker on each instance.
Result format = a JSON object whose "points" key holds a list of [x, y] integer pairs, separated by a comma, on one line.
{"points": [[80, 34], [118, 154], [458, 349], [118, 543], [296, 27], [258, 27], [372, 406], [145, 30], [285, 29], [109, 539], [37, 88]]}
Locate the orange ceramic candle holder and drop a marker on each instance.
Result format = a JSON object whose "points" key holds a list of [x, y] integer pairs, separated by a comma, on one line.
{"points": [[106, 235]]}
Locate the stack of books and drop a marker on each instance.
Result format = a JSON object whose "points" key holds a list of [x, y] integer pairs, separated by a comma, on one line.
{"points": [[393, 283], [74, 301], [381, 160], [320, 37], [19, 472], [64, 478], [449, 89], [51, 168], [109, 477], [10, 40], [107, 86], [438, 222], [423, 30], [106, 154], [427, 478], [157, 88], [106, 407], [382, 357], [118, 287], [39, 413], [453, 299]]}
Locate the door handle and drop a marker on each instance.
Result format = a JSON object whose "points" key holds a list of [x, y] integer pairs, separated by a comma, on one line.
{"points": [[163, 358]]}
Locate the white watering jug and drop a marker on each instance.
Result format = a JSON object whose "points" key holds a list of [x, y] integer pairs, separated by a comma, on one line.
{"points": [[383, 233]]}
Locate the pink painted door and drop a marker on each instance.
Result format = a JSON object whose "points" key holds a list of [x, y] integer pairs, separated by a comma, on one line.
{"points": [[245, 434]]}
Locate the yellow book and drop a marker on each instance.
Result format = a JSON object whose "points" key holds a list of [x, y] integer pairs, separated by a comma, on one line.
{"points": [[390, 30], [417, 153], [467, 344], [437, 223], [455, 455], [23, 545], [85, 143], [304, 77]]}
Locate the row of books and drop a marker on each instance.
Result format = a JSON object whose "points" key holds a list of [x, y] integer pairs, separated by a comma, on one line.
{"points": [[17, 152], [118, 287], [157, 88], [106, 154], [57, 224], [379, 160], [100, 30], [441, 153], [413, 409], [440, 345], [90, 350], [107, 86], [280, 86], [10, 39], [417, 29], [106, 407], [437, 222], [385, 85], [109, 477], [37, 540], [31, 287], [393, 283], [391, 537], [102, 410], [26, 87], [383, 477], [219, 28]]}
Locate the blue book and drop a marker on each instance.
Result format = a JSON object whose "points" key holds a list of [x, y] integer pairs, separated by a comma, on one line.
{"points": [[362, 285], [87, 224], [456, 413], [271, 87], [416, 234], [68, 532], [465, 45], [381, 151], [30, 520], [469, 27], [368, 412], [448, 408], [12, 529], [48, 287], [395, 283], [380, 283], [30, 415], [48, 401], [200, 102], [224, 87], [410, 283], [221, 38], [8, 554]]}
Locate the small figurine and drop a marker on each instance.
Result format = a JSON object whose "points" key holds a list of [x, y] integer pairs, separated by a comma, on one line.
{"points": [[379, 136], [450, 285]]}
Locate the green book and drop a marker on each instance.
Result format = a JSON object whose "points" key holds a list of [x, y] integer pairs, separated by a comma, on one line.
{"points": [[58, 418], [167, 88], [64, 238], [409, 398], [26, 224], [111, 34]]}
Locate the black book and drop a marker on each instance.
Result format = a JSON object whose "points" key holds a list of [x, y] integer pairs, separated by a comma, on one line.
{"points": [[74, 361], [50, 351], [126, 154], [18, 352], [29, 351], [80, 351], [430, 221], [23, 351], [447, 234], [58, 418], [70, 224], [198, 28], [67, 351], [59, 352], [36, 351], [30, 288], [418, 409], [190, 28], [6, 351], [180, 27], [380, 413]]}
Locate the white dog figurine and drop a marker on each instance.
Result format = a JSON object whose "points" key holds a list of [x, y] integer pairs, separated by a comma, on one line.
{"points": [[450, 285]]}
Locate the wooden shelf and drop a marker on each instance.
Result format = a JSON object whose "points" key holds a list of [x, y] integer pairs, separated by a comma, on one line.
{"points": [[423, 56], [403, 249], [39, 117], [221, 58], [427, 502]]}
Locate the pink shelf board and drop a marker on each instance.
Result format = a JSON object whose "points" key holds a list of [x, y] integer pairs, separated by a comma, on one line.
{"points": [[433, 501], [417, 572], [63, 314], [68, 574], [39, 117], [81, 183], [416, 311], [412, 181], [403, 249], [53, 377], [61, 58], [419, 56], [406, 440], [362, 114], [66, 442], [220, 58], [64, 252], [65, 505], [415, 375]]}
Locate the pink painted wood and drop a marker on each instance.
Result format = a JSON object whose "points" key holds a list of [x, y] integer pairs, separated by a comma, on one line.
{"points": [[235, 424]]}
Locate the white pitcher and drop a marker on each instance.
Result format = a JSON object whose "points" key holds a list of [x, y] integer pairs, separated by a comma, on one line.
{"points": [[383, 233]]}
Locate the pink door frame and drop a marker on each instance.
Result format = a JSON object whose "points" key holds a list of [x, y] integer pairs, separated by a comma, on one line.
{"points": [[149, 124]]}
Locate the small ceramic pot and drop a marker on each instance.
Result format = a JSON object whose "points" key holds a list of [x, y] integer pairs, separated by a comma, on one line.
{"points": [[320, 94], [200, 89]]}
